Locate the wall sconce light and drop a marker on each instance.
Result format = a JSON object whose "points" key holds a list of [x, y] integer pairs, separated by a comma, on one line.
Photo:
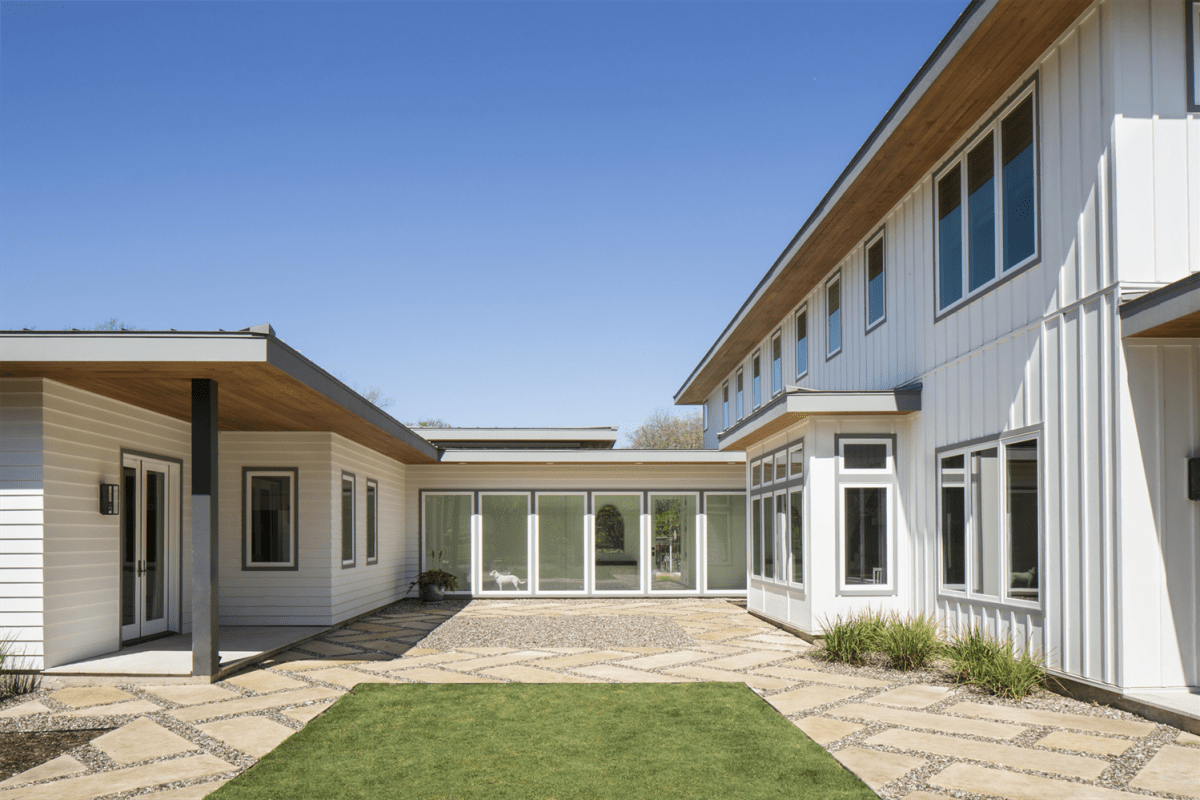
{"points": [[110, 499], [1193, 478]]}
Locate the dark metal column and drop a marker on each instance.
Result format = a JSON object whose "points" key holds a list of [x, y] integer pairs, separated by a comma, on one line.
{"points": [[205, 656]]}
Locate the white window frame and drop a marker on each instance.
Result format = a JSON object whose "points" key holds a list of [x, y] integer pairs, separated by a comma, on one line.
{"points": [[347, 563], [642, 549], [888, 586], [371, 484], [959, 159], [698, 551], [477, 548], [466, 584], [777, 374], [877, 239], [756, 465], [801, 346], [589, 547], [1001, 558], [792, 578], [837, 278], [890, 463], [797, 448], [293, 476]]}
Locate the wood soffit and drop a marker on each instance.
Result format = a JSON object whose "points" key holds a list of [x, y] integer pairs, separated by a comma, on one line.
{"points": [[252, 396], [1185, 327], [994, 57]]}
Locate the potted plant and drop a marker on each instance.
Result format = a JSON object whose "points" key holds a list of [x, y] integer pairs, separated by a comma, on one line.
{"points": [[435, 582]]}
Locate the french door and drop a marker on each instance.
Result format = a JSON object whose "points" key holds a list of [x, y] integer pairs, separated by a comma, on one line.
{"points": [[149, 538]]}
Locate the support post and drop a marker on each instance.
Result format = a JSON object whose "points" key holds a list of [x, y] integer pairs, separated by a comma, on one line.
{"points": [[205, 653]]}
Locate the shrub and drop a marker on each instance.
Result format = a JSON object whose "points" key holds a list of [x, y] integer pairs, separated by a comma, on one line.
{"points": [[849, 640], [910, 643], [981, 660], [14, 683]]}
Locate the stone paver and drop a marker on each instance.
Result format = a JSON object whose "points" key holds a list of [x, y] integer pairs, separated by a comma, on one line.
{"points": [[140, 740], [25, 709], [1085, 743], [612, 672], [421, 661], [262, 681], [251, 704], [190, 695], [824, 730], [305, 714], [83, 696], [115, 710], [327, 648], [1004, 754], [254, 736], [1187, 738], [798, 700], [496, 661], [521, 674], [914, 696], [1173, 769], [196, 792], [434, 675], [750, 679], [122, 780], [304, 664], [726, 633], [815, 676], [347, 678], [54, 768], [746, 660], [1017, 786], [1033, 716], [875, 768], [934, 722], [664, 660], [580, 659]]}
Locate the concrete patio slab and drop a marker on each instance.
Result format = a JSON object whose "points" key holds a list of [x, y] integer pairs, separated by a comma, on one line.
{"points": [[914, 696], [748, 678], [877, 769], [250, 704], [1174, 770], [1085, 743], [25, 710], [612, 672], [816, 676], [1056, 719], [434, 675], [826, 730], [114, 710], [802, 699], [347, 678], [521, 674], [934, 722], [84, 696], [261, 681], [305, 714], [122, 780], [197, 792]]}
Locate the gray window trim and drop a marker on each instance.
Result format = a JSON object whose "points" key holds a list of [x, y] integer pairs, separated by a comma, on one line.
{"points": [[879, 237], [247, 564], [353, 561]]}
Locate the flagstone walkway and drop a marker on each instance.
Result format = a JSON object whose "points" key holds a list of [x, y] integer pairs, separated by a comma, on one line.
{"points": [[908, 736]]}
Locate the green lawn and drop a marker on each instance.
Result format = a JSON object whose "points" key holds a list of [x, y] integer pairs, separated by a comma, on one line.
{"points": [[538, 742]]}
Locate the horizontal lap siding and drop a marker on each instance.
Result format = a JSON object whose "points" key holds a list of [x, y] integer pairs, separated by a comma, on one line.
{"points": [[84, 436], [21, 518], [277, 597]]}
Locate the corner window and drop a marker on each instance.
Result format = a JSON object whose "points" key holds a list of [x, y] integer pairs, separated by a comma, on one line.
{"points": [[990, 521], [833, 315], [741, 396], [269, 518], [987, 205], [802, 342], [725, 406], [876, 300], [347, 519], [777, 363], [756, 379], [372, 521]]}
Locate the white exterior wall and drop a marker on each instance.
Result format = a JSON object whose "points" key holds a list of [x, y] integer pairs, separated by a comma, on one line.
{"points": [[1040, 351], [21, 518]]}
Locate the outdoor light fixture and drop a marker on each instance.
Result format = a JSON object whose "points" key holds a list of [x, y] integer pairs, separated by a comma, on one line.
{"points": [[1193, 478], [110, 499]]}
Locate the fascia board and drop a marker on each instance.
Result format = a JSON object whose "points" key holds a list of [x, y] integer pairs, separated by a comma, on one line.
{"points": [[99, 347], [628, 457]]}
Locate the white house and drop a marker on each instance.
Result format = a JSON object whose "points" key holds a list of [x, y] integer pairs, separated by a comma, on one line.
{"points": [[970, 385]]}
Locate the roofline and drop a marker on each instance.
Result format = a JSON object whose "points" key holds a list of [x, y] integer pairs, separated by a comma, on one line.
{"points": [[1141, 315], [607, 433], [549, 456], [949, 44]]}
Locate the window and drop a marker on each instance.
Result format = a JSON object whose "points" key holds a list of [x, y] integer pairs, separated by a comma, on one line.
{"points": [[876, 302], [756, 379], [347, 519], [833, 315], [756, 535], [796, 460], [504, 542], [796, 506], [372, 521], [802, 342], [725, 406], [447, 525], [704, 415], [987, 205], [756, 473], [269, 518], [768, 536], [726, 535], [866, 532], [866, 475], [1193, 46], [776, 363], [741, 395], [864, 455], [781, 466], [990, 521], [562, 546]]}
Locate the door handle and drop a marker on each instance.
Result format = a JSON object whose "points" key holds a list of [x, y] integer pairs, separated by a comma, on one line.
{"points": [[141, 567]]}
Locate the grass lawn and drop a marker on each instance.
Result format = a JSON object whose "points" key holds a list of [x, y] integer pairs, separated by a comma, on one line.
{"points": [[537, 742]]}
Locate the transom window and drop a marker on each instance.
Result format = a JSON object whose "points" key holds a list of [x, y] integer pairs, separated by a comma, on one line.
{"points": [[802, 342], [833, 315], [876, 301], [987, 205]]}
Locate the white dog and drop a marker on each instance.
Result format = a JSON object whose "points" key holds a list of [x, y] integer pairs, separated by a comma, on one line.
{"points": [[502, 579]]}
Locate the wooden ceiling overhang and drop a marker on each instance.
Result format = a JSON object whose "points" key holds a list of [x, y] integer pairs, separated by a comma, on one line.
{"points": [[795, 404], [1172, 312], [989, 48], [263, 385]]}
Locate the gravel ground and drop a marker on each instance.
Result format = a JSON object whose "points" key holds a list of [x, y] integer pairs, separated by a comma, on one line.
{"points": [[554, 631], [22, 751]]}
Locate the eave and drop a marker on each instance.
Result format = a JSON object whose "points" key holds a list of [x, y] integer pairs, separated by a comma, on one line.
{"points": [[989, 48], [594, 457], [1172, 312]]}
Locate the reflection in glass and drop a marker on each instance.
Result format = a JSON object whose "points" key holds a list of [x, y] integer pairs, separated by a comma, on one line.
{"points": [[726, 541], [875, 298], [129, 548], [618, 539], [768, 537], [985, 480], [347, 520], [954, 524], [270, 519], [673, 525], [781, 466], [504, 537], [797, 543], [802, 343], [866, 534], [155, 544], [981, 213], [776, 364], [448, 532], [1016, 170], [372, 533], [1022, 465], [949, 200], [833, 295], [864, 456], [561, 554]]}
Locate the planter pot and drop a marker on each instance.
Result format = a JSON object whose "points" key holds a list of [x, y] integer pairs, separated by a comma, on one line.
{"points": [[431, 593]]}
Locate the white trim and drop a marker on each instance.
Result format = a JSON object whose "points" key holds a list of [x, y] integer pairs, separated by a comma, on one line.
{"points": [[889, 467]]}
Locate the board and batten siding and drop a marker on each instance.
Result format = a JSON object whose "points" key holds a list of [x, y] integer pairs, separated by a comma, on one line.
{"points": [[83, 437], [21, 519]]}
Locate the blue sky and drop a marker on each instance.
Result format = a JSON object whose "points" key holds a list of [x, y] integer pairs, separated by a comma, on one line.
{"points": [[499, 213]]}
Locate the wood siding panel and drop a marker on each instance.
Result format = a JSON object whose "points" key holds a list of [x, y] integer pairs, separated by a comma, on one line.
{"points": [[21, 516]]}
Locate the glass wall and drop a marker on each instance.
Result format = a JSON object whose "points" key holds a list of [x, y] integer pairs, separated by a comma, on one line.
{"points": [[448, 536], [504, 542], [618, 542], [726, 541], [674, 546], [561, 547]]}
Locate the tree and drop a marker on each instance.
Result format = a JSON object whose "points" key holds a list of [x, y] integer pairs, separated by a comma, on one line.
{"points": [[664, 430], [114, 324], [429, 423], [374, 395]]}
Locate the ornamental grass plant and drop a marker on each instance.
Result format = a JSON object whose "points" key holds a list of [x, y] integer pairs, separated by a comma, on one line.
{"points": [[910, 643], [993, 664], [851, 638], [13, 683]]}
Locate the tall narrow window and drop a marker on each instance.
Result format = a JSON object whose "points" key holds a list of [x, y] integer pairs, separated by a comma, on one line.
{"points": [[1021, 464], [985, 483], [756, 535], [726, 535], [954, 523], [447, 545], [725, 406], [833, 298], [777, 364], [981, 214], [562, 554], [875, 283], [768, 536], [704, 415], [1016, 141], [269, 508], [741, 396], [797, 534], [866, 527], [347, 519], [756, 379], [949, 197], [504, 541], [802, 343], [372, 521]]}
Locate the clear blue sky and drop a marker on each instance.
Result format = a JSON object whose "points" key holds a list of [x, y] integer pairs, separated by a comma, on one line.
{"points": [[499, 213]]}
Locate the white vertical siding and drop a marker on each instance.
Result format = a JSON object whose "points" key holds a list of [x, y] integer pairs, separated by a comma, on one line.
{"points": [[21, 518]]}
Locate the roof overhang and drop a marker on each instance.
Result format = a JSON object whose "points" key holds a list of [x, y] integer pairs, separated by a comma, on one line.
{"points": [[1172, 312], [989, 48], [525, 438], [595, 457], [795, 404], [263, 385]]}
